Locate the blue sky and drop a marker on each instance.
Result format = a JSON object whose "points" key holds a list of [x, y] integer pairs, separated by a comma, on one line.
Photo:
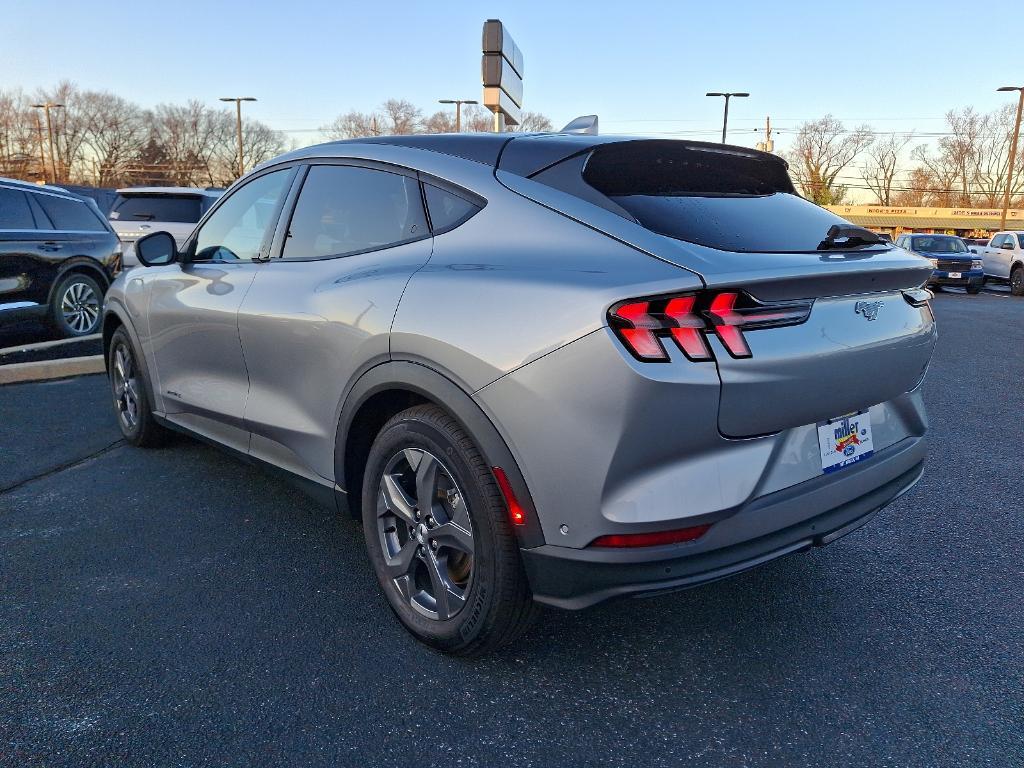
{"points": [[642, 66]]}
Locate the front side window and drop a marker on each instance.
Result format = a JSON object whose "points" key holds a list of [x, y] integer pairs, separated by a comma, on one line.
{"points": [[344, 209], [69, 215], [238, 229], [1020, 240], [14, 210], [185, 209]]}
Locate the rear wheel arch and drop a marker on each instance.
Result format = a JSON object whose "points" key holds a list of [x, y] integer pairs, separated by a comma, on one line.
{"points": [[390, 388], [114, 317], [82, 266]]}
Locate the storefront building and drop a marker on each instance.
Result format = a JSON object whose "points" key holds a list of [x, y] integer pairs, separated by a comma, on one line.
{"points": [[966, 222]]}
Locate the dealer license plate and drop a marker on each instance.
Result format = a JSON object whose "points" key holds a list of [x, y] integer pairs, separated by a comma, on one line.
{"points": [[845, 440]]}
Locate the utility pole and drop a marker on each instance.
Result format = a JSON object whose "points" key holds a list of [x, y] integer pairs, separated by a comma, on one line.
{"points": [[725, 117], [458, 110], [47, 106], [238, 111], [767, 145], [1013, 150], [42, 151]]}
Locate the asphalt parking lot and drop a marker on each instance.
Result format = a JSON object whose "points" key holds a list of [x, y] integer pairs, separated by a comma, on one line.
{"points": [[177, 607]]}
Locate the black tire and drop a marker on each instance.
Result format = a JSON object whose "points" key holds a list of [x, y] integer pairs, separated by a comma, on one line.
{"points": [[131, 402], [1017, 281], [495, 606], [974, 290], [935, 288], [77, 307]]}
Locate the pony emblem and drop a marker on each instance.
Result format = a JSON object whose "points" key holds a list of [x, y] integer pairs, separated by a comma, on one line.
{"points": [[867, 308]]}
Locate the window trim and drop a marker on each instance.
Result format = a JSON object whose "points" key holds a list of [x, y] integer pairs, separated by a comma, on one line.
{"points": [[187, 254], [277, 249], [452, 189]]}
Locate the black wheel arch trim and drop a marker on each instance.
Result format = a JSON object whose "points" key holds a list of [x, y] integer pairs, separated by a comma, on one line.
{"points": [[115, 309], [75, 264], [436, 387]]}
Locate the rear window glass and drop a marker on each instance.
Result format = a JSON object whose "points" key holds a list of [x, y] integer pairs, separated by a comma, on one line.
{"points": [[70, 215], [447, 210], [721, 198], [14, 210], [184, 209]]}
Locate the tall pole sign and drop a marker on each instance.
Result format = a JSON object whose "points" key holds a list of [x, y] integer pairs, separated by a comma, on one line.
{"points": [[503, 75]]}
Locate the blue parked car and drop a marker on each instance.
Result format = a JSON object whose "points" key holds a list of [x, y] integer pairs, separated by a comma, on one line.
{"points": [[953, 261]]}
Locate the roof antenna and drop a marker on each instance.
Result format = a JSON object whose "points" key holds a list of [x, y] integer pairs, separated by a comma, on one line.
{"points": [[586, 125]]}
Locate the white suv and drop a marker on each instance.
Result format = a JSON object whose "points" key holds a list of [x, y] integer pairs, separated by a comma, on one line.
{"points": [[1003, 259], [141, 210]]}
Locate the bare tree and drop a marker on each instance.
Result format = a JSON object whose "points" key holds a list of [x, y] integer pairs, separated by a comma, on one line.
{"points": [[19, 137], [442, 121], [394, 117], [993, 158], [114, 129], [881, 165], [822, 150], [534, 122], [918, 190]]}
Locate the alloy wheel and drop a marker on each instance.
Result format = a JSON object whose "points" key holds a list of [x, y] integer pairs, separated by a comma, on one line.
{"points": [[80, 307], [125, 383], [425, 533]]}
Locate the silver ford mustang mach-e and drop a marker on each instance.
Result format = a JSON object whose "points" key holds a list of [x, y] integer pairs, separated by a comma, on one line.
{"points": [[543, 368]]}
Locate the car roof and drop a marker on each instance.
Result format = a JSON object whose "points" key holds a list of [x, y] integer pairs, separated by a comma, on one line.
{"points": [[33, 187], [194, 191], [519, 153]]}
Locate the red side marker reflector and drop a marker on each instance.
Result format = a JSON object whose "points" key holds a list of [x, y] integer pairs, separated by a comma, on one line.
{"points": [[651, 539], [515, 511]]}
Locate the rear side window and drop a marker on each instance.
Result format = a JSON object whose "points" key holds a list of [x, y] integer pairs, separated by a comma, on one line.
{"points": [[14, 210], [184, 209], [70, 215], [722, 198], [447, 210], [347, 209]]}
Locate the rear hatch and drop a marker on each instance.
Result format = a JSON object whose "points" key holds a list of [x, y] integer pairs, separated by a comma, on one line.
{"points": [[136, 214], [732, 216]]}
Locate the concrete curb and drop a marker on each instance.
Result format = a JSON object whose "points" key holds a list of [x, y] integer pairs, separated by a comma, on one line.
{"points": [[48, 344], [43, 370]]}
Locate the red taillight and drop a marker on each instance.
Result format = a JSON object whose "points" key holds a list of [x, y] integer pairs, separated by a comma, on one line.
{"points": [[728, 323], [515, 510], [690, 318], [655, 539], [639, 331], [688, 326]]}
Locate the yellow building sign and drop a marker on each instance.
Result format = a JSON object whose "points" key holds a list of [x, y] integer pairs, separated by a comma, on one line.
{"points": [[961, 220]]}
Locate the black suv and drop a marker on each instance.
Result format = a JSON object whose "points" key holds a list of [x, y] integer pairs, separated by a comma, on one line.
{"points": [[58, 255]]}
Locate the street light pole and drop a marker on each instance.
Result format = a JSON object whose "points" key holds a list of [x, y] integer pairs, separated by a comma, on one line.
{"points": [[458, 110], [725, 117], [1013, 150], [47, 106], [238, 111]]}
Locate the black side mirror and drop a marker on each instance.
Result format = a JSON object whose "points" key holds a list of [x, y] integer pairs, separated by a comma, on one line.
{"points": [[157, 249]]}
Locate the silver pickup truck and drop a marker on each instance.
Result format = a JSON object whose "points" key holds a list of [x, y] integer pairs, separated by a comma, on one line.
{"points": [[1003, 260]]}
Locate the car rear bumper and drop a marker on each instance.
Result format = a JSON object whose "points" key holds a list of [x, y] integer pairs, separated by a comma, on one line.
{"points": [[812, 513], [972, 278]]}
